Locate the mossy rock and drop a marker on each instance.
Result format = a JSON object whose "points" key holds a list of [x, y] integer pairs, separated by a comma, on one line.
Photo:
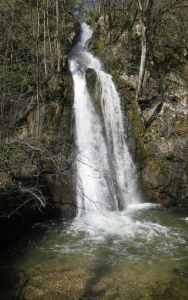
{"points": [[142, 154], [98, 46]]}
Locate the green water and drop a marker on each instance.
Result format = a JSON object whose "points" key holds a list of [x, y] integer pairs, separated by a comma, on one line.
{"points": [[141, 253]]}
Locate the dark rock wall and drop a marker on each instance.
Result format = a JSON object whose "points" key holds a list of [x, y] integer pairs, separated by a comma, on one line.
{"points": [[160, 139]]}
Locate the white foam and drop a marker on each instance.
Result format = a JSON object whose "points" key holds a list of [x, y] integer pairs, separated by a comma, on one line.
{"points": [[140, 206], [86, 33], [118, 226]]}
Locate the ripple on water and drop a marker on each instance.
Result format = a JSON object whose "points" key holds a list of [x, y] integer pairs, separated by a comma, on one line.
{"points": [[140, 253]]}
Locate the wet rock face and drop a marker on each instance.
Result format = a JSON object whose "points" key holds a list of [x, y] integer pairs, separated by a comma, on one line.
{"points": [[157, 183], [56, 140], [93, 87], [160, 129], [167, 142], [63, 190]]}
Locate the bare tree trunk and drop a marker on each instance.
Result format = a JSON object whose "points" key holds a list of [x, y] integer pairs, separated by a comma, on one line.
{"points": [[38, 74], [38, 20], [45, 64], [145, 14], [99, 7], [58, 38], [33, 23], [48, 33], [142, 60]]}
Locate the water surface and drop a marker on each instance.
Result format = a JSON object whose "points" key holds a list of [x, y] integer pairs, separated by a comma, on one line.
{"points": [[140, 253]]}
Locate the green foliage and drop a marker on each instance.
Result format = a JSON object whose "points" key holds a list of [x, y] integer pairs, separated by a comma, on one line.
{"points": [[142, 154], [181, 124], [170, 59], [91, 12], [114, 64], [53, 83], [98, 45]]}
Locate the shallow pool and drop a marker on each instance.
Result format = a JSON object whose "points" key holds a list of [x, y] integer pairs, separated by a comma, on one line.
{"points": [[140, 253]]}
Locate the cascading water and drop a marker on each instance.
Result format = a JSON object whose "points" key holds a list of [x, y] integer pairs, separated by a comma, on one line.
{"points": [[106, 177]]}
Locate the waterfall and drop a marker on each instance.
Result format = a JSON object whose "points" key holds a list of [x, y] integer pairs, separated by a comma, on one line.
{"points": [[106, 175]]}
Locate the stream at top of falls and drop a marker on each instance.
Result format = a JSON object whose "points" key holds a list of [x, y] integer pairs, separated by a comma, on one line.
{"points": [[116, 247]]}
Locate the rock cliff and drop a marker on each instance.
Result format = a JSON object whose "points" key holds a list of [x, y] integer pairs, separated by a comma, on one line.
{"points": [[157, 123]]}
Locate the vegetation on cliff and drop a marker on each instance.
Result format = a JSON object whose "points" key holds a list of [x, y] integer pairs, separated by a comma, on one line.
{"points": [[36, 95], [143, 45]]}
